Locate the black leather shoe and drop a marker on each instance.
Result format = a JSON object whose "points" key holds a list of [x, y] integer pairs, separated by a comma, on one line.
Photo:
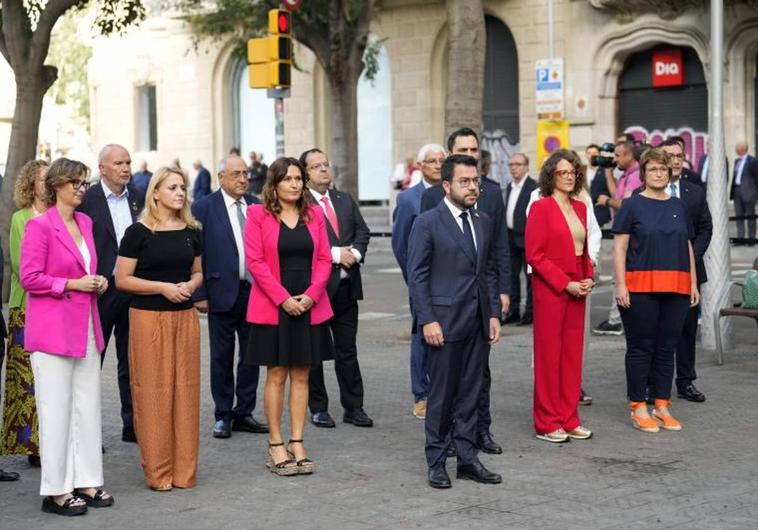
{"points": [[438, 477], [512, 317], [451, 452], [690, 393], [358, 417], [10, 476], [486, 443], [34, 461], [249, 424], [323, 420], [526, 320], [478, 473], [222, 429], [128, 435]]}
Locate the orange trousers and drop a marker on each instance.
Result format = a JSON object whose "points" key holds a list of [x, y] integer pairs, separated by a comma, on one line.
{"points": [[164, 371]]}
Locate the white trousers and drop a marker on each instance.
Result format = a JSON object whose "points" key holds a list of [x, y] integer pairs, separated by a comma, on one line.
{"points": [[68, 406]]}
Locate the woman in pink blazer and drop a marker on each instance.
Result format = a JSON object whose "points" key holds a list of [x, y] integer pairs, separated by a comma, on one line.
{"points": [[58, 264], [287, 253], [556, 248]]}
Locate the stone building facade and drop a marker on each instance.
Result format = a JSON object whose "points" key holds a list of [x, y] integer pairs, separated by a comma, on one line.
{"points": [[153, 93]]}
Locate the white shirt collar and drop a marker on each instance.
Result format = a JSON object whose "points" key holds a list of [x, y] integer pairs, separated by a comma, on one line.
{"points": [[318, 196], [229, 200], [453, 209], [109, 193], [426, 184], [520, 185]]}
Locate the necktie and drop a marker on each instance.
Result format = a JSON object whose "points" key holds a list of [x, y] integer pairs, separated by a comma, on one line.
{"points": [[737, 171], [468, 234], [672, 187], [331, 216], [241, 221]]}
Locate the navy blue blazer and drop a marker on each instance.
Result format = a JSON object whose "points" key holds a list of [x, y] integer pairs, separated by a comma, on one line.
{"points": [[490, 202], [448, 284], [599, 187], [519, 213], [95, 205], [220, 259], [202, 185], [407, 208], [700, 217], [701, 167], [749, 183]]}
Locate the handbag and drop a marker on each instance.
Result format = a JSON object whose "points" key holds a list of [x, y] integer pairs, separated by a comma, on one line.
{"points": [[750, 291]]}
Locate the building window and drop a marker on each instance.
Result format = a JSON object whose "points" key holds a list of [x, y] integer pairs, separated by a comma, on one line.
{"points": [[147, 119]]}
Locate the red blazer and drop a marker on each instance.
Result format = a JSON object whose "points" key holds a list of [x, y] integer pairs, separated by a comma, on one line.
{"points": [[57, 320], [262, 260], [550, 246]]}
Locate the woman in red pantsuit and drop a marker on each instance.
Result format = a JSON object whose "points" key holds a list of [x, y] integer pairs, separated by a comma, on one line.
{"points": [[556, 248]]}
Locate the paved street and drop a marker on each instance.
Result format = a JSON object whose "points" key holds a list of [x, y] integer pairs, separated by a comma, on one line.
{"points": [[703, 477]]}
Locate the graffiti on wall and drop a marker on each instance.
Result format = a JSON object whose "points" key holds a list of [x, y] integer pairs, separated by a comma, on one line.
{"points": [[498, 143], [694, 142]]}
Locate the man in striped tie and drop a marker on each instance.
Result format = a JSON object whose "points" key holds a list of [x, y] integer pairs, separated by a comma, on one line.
{"points": [[348, 236]]}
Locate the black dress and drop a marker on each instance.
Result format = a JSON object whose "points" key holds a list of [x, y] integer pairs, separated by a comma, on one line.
{"points": [[294, 341]]}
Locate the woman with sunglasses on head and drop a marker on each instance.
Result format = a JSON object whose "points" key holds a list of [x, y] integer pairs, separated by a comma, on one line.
{"points": [[656, 284], [20, 435], [288, 254], [557, 250], [159, 263], [58, 264]]}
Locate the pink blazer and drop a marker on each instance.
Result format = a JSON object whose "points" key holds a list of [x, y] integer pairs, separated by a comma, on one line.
{"points": [[262, 260], [57, 321], [549, 244]]}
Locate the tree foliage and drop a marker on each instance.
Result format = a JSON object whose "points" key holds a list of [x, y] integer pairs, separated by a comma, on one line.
{"points": [[71, 54]]}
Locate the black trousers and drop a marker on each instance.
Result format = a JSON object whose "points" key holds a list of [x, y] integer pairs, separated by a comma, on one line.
{"points": [[344, 326], [685, 351], [653, 326], [518, 264], [483, 414], [222, 328], [455, 381], [113, 306]]}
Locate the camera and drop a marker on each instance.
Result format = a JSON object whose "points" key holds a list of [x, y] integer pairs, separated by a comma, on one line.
{"points": [[603, 159]]}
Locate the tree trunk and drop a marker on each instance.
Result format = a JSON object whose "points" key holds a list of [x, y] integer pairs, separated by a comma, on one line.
{"points": [[344, 155], [467, 40], [30, 91]]}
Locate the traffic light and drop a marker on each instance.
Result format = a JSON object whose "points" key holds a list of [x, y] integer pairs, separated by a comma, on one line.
{"points": [[270, 58]]}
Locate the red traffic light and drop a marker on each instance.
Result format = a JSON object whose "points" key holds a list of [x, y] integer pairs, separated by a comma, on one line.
{"points": [[284, 22]]}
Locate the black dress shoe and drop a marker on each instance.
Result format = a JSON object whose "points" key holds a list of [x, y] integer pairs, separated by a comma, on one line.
{"points": [[438, 477], [8, 476], [451, 452], [485, 443], [690, 393], [511, 317], [222, 429], [323, 420], [128, 435], [357, 417], [249, 424], [526, 320], [478, 473]]}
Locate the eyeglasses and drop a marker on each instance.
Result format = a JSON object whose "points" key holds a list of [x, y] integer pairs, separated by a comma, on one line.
{"points": [[236, 174], [514, 164], [657, 170], [438, 161], [679, 156], [323, 165], [466, 183], [565, 173], [80, 184]]}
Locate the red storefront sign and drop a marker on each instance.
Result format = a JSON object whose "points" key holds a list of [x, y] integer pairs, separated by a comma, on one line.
{"points": [[668, 68]]}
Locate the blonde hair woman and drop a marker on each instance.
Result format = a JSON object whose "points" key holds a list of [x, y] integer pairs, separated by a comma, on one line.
{"points": [[20, 435], [159, 263]]}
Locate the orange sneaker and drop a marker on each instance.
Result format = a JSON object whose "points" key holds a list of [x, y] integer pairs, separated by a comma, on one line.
{"points": [[644, 423], [663, 415]]}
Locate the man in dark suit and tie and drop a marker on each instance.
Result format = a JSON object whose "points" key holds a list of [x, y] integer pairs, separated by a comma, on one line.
{"points": [[693, 197], [430, 158], [114, 205], [452, 279], [744, 190], [202, 185], [490, 201], [348, 237], [517, 195], [224, 296]]}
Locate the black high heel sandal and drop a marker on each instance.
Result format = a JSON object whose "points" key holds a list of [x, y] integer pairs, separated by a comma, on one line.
{"points": [[305, 466], [285, 468]]}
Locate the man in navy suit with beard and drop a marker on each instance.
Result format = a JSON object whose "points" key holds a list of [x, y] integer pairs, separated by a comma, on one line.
{"points": [[452, 279]]}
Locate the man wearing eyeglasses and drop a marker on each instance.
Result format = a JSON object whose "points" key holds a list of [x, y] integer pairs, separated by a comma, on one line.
{"points": [[224, 296], [348, 237], [517, 195], [429, 158], [114, 204], [452, 279]]}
